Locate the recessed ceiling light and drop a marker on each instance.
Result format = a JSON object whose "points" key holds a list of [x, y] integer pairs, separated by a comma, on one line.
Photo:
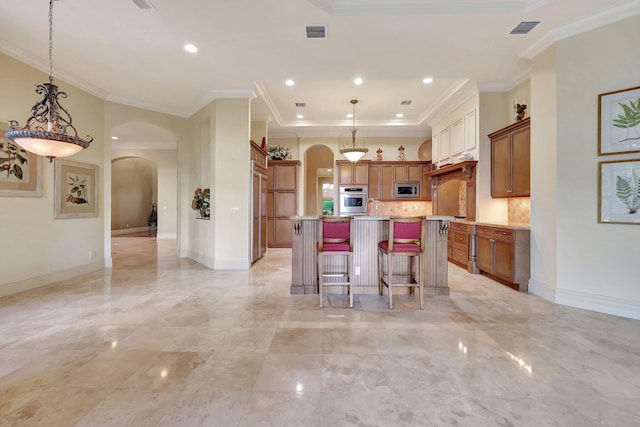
{"points": [[190, 48], [115, 138], [358, 81], [289, 82], [300, 116], [399, 115], [427, 80], [349, 116]]}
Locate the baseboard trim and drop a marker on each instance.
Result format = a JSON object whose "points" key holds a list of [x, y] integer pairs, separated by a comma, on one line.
{"points": [[49, 278], [599, 303], [129, 231], [542, 290], [166, 236]]}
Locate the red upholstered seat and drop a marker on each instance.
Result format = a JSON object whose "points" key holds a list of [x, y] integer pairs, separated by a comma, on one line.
{"points": [[400, 247], [336, 247]]}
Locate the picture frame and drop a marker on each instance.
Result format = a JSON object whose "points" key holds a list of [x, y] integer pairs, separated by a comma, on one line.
{"points": [[619, 192], [619, 122], [20, 170], [76, 189]]}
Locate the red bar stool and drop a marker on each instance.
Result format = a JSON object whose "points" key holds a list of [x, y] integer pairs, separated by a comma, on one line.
{"points": [[405, 240], [335, 240]]}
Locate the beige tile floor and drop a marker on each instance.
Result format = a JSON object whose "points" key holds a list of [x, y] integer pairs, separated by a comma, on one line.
{"points": [[160, 341]]}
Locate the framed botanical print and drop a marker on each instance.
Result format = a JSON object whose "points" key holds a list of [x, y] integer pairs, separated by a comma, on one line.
{"points": [[619, 122], [20, 170], [619, 192], [76, 189]]}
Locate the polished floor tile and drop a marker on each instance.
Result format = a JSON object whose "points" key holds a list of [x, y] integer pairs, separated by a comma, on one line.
{"points": [[162, 341]]}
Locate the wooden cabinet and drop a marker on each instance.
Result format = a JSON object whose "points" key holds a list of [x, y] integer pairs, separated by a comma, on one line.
{"points": [[350, 173], [458, 243], [381, 181], [502, 253], [282, 201], [383, 175], [510, 160], [258, 202]]}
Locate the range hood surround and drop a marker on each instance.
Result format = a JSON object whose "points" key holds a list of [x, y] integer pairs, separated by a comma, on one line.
{"points": [[465, 173]]}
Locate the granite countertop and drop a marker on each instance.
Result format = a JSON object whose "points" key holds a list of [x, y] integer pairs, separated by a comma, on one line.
{"points": [[371, 218], [514, 225]]}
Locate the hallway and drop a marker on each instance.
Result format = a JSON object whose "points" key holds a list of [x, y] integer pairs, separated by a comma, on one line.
{"points": [[162, 341]]}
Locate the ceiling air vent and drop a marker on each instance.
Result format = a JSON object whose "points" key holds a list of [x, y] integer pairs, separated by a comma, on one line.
{"points": [[143, 4], [406, 102], [316, 31], [524, 27], [301, 104]]}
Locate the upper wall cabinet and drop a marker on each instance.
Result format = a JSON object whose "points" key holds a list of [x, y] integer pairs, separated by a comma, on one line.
{"points": [[458, 136], [350, 173], [510, 160]]}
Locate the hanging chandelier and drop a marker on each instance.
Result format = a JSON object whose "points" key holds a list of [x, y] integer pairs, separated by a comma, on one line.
{"points": [[48, 132], [353, 152]]}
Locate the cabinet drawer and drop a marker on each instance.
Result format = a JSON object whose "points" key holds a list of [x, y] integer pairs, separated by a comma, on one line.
{"points": [[460, 239], [503, 233], [483, 230], [460, 254], [460, 227]]}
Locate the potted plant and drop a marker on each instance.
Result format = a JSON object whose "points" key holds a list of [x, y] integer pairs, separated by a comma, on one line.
{"points": [[201, 202]]}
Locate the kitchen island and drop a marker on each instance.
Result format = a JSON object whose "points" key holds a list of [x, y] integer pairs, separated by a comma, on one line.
{"points": [[368, 231]]}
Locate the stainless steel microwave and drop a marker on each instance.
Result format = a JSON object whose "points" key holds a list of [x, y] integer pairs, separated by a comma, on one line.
{"points": [[406, 190]]}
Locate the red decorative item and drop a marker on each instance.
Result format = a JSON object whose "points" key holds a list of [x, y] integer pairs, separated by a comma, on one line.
{"points": [[264, 143]]}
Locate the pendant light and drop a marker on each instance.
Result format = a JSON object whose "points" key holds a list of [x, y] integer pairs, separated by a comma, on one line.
{"points": [[48, 132], [353, 152]]}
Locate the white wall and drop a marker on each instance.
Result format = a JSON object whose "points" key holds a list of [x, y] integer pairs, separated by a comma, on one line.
{"points": [[597, 264], [39, 249]]}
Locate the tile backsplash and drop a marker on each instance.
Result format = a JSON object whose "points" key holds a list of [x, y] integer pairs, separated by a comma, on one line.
{"points": [[520, 210], [404, 208]]}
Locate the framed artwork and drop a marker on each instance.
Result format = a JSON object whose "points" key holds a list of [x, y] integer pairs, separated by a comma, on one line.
{"points": [[20, 170], [76, 189], [619, 192], [619, 122]]}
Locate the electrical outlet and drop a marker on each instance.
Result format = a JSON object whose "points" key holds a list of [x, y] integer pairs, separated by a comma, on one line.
{"points": [[357, 271]]}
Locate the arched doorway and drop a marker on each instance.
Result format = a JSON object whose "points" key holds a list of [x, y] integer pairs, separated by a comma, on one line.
{"points": [[144, 150], [318, 175]]}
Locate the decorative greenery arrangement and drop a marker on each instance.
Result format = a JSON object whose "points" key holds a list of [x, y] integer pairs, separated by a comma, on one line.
{"points": [[277, 152], [201, 203], [630, 120], [628, 191]]}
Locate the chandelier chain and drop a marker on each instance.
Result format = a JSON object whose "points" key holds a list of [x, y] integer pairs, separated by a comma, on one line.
{"points": [[51, 41]]}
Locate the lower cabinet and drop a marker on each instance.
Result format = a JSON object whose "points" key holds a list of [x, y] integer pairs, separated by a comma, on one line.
{"points": [[458, 243], [503, 253]]}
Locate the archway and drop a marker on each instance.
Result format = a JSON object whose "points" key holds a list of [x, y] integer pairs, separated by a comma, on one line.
{"points": [[318, 171], [134, 194], [139, 144]]}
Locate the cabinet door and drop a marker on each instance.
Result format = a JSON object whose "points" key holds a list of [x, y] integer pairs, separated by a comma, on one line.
{"points": [[501, 166], [521, 152], [283, 233], [345, 174], [484, 253], [360, 174], [413, 173], [271, 204], [285, 176], [503, 254], [285, 204], [374, 182], [386, 171], [400, 173]]}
